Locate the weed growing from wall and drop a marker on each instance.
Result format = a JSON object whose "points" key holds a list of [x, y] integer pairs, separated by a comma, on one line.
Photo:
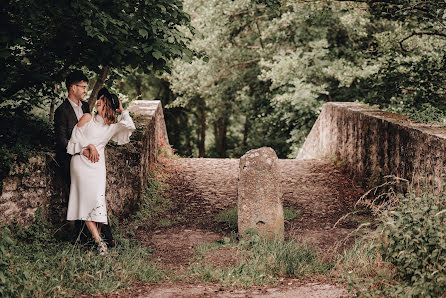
{"points": [[153, 203]]}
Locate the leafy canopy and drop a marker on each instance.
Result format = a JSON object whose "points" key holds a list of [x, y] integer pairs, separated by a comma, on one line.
{"points": [[41, 40]]}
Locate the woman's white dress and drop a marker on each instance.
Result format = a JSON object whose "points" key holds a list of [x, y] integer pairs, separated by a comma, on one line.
{"points": [[87, 190]]}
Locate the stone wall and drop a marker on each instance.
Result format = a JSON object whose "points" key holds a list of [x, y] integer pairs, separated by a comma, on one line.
{"points": [[374, 143], [37, 182]]}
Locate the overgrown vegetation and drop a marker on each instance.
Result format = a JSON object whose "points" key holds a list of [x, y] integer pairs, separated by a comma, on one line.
{"points": [[21, 136], [153, 203], [258, 262], [34, 264], [406, 255]]}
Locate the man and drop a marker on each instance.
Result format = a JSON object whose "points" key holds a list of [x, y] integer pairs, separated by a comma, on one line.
{"points": [[66, 117]]}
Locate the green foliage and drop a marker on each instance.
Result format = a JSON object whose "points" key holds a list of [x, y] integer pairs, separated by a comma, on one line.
{"points": [[406, 255], [414, 241], [265, 73], [153, 203], [33, 263], [259, 262], [269, 69], [21, 136], [42, 40]]}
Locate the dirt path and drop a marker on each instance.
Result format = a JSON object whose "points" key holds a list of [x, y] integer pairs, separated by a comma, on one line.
{"points": [[202, 188]]}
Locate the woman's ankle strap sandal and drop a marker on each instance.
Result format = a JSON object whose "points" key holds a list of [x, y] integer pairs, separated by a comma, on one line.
{"points": [[102, 247]]}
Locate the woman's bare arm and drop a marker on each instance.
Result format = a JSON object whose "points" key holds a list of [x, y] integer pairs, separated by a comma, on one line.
{"points": [[90, 151], [84, 120]]}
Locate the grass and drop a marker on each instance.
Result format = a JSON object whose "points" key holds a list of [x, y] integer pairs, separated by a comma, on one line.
{"points": [[39, 265], [260, 262], [34, 263], [364, 271], [229, 216], [405, 255]]}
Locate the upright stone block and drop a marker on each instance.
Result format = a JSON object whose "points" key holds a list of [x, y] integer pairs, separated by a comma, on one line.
{"points": [[260, 194]]}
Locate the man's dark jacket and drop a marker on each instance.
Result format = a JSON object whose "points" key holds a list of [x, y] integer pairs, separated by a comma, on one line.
{"points": [[64, 121]]}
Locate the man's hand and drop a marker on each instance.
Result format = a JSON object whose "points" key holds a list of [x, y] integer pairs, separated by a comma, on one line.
{"points": [[93, 153], [86, 153]]}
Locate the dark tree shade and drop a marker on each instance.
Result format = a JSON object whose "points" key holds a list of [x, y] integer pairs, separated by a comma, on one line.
{"points": [[40, 40]]}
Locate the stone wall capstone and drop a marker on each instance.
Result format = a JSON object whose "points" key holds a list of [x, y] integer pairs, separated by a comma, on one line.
{"points": [[37, 184], [374, 143], [260, 205]]}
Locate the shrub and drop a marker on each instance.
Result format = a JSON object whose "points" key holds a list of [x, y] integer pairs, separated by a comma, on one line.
{"points": [[21, 135], [406, 254], [413, 239]]}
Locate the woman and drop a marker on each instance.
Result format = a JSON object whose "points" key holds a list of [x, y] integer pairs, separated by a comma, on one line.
{"points": [[87, 191]]}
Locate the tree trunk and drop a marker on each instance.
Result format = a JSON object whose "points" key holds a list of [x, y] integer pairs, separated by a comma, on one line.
{"points": [[201, 148], [97, 86], [245, 132], [53, 103], [187, 131], [138, 86], [220, 136]]}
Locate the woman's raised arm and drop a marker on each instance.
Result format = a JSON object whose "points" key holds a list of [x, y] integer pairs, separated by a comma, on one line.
{"points": [[84, 120]]}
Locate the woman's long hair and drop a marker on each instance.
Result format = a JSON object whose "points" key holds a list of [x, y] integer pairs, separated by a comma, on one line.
{"points": [[109, 111]]}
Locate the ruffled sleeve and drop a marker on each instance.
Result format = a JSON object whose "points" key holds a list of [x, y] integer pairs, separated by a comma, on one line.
{"points": [[78, 141], [123, 129]]}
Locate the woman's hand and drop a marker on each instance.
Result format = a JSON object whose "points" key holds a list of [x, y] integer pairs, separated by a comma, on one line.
{"points": [[120, 109], [94, 154]]}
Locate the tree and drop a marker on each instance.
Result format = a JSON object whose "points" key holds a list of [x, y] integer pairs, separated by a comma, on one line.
{"points": [[412, 48], [271, 67], [228, 40], [42, 40]]}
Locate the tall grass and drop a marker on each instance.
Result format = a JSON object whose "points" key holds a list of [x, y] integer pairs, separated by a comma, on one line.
{"points": [[406, 255], [34, 264]]}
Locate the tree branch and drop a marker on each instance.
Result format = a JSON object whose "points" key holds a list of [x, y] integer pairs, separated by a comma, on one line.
{"points": [[97, 86], [418, 34]]}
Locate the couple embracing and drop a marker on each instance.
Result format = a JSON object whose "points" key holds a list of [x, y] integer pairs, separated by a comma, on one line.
{"points": [[80, 142]]}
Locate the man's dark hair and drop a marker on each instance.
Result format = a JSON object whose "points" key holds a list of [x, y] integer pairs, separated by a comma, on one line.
{"points": [[74, 78]]}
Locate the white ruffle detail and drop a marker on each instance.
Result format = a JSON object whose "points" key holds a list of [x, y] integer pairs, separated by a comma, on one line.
{"points": [[77, 141], [123, 129]]}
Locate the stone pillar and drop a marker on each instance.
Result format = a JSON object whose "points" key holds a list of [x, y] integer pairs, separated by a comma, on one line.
{"points": [[260, 194]]}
